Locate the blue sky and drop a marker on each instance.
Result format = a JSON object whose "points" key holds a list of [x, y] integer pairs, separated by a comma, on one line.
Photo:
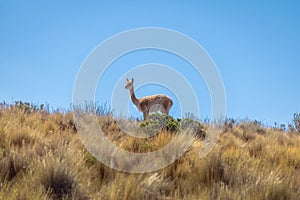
{"points": [[255, 45]]}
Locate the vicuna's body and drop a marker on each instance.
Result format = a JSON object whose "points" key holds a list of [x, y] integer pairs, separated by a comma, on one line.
{"points": [[148, 104]]}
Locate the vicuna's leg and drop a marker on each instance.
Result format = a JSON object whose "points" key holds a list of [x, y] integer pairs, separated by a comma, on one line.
{"points": [[167, 107], [163, 110], [145, 114]]}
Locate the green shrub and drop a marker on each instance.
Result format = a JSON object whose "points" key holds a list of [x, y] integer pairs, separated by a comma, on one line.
{"points": [[172, 125], [154, 124], [158, 122]]}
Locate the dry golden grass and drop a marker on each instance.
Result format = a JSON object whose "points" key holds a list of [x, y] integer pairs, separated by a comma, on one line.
{"points": [[42, 157]]}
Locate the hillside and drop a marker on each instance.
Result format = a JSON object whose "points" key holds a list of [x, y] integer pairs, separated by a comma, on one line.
{"points": [[42, 157]]}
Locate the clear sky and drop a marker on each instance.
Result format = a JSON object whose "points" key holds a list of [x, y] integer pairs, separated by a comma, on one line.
{"points": [[255, 45]]}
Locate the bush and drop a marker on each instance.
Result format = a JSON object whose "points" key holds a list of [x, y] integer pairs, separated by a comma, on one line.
{"points": [[172, 125], [158, 122]]}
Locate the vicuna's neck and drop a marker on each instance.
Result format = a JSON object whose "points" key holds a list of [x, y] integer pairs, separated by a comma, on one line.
{"points": [[133, 97]]}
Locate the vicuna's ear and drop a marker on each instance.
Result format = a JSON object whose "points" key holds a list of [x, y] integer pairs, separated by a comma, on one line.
{"points": [[132, 79], [127, 79]]}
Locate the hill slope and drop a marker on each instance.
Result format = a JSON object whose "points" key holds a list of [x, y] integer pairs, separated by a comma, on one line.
{"points": [[42, 157]]}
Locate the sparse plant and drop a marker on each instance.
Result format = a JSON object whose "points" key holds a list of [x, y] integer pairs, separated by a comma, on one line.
{"points": [[99, 109], [27, 107], [229, 124], [296, 121], [190, 123], [291, 128], [249, 129]]}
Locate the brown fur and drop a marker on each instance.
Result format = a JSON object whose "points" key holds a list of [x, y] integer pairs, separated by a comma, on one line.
{"points": [[150, 103]]}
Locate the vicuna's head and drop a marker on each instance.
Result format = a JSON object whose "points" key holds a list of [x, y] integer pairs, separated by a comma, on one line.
{"points": [[129, 84]]}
